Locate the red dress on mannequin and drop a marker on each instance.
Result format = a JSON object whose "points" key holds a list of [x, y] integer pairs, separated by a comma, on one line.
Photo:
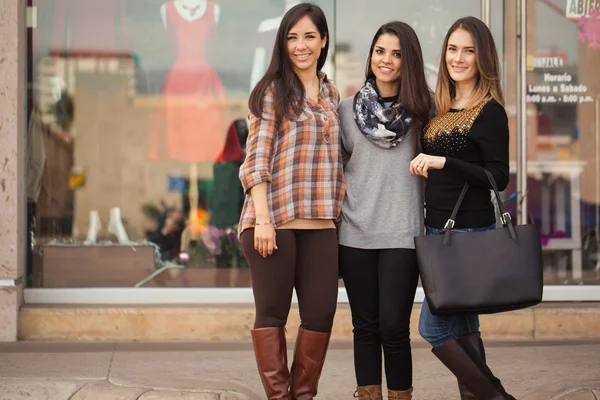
{"points": [[193, 116]]}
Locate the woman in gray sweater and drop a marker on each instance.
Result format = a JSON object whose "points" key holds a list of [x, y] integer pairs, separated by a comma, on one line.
{"points": [[383, 208]]}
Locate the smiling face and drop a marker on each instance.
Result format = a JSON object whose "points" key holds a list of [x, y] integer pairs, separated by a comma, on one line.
{"points": [[304, 45], [461, 59], [386, 60]]}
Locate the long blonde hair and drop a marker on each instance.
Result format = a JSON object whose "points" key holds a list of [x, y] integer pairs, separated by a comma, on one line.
{"points": [[488, 68]]}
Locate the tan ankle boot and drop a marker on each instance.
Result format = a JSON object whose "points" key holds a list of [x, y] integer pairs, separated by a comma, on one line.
{"points": [[372, 392], [400, 394]]}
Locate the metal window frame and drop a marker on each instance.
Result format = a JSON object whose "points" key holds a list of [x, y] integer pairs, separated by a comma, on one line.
{"points": [[232, 296]]}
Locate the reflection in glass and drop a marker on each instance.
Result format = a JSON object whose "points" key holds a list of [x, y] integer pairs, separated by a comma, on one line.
{"points": [[135, 105], [266, 32], [562, 159], [137, 129], [193, 115]]}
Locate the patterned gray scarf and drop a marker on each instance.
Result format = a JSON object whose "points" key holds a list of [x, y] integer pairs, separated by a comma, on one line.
{"points": [[383, 126]]}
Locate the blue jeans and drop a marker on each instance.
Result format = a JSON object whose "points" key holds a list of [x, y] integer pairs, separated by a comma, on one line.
{"points": [[439, 330]]}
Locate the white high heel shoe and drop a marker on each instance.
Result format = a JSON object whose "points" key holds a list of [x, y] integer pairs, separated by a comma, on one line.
{"points": [[115, 226], [94, 228]]}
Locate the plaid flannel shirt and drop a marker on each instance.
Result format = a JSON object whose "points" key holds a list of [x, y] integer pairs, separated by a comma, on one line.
{"points": [[301, 161]]}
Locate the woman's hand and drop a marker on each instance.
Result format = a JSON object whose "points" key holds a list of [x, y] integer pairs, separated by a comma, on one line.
{"points": [[424, 162], [264, 231], [264, 238]]}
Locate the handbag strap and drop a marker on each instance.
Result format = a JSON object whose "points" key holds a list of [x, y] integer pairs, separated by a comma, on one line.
{"points": [[505, 216], [450, 223]]}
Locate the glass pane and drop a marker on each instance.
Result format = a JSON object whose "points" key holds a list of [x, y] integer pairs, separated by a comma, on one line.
{"points": [[430, 19], [562, 134], [137, 128]]}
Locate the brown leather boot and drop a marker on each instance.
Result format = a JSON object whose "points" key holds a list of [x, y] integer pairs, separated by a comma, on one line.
{"points": [[371, 392], [270, 351], [400, 394], [471, 371], [309, 357]]}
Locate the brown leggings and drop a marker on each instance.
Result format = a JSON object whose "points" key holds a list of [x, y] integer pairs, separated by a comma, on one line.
{"points": [[306, 260]]}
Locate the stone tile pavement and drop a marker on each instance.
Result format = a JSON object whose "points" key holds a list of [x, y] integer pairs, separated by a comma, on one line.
{"points": [[226, 371]]}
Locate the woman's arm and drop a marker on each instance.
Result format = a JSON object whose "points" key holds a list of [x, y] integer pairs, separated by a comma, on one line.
{"points": [[345, 146], [264, 231], [490, 134], [255, 174], [261, 205], [259, 151]]}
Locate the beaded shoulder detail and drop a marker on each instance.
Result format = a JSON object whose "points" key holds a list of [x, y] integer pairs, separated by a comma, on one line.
{"points": [[458, 121]]}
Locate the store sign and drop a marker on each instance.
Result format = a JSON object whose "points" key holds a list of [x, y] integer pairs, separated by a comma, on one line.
{"points": [[576, 9], [556, 87], [587, 15]]}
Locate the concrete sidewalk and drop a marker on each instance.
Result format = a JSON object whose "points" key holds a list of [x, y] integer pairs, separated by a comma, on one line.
{"points": [[226, 371]]}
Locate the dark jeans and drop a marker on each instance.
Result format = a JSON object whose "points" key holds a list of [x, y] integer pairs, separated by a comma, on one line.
{"points": [[439, 330], [381, 287], [306, 260]]}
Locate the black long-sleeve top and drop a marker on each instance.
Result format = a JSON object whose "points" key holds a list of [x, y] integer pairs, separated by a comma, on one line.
{"points": [[471, 140]]}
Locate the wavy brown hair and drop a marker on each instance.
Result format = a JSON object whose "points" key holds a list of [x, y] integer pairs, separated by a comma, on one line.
{"points": [[288, 88], [414, 93], [488, 68]]}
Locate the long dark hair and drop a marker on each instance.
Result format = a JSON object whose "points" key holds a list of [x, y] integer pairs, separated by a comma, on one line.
{"points": [[488, 67], [414, 93], [289, 90]]}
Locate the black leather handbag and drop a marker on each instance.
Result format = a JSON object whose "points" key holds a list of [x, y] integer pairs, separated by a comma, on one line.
{"points": [[481, 272]]}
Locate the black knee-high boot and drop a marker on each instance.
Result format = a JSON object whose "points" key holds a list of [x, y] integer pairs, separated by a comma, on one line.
{"points": [[466, 360]]}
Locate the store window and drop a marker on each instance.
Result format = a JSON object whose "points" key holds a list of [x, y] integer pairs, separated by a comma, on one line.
{"points": [[137, 124], [563, 143], [137, 127]]}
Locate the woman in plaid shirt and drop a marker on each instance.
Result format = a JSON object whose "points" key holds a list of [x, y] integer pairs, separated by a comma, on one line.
{"points": [[294, 188]]}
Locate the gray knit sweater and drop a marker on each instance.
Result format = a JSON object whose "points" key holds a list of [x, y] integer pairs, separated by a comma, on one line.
{"points": [[383, 207]]}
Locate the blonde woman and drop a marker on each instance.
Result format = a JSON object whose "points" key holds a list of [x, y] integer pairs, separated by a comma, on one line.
{"points": [[468, 136]]}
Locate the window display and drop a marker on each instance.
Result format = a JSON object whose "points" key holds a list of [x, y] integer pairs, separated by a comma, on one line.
{"points": [[137, 126]]}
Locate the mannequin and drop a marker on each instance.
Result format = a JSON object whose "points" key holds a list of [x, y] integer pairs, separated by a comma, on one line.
{"points": [[190, 10], [227, 194], [193, 115], [194, 96]]}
